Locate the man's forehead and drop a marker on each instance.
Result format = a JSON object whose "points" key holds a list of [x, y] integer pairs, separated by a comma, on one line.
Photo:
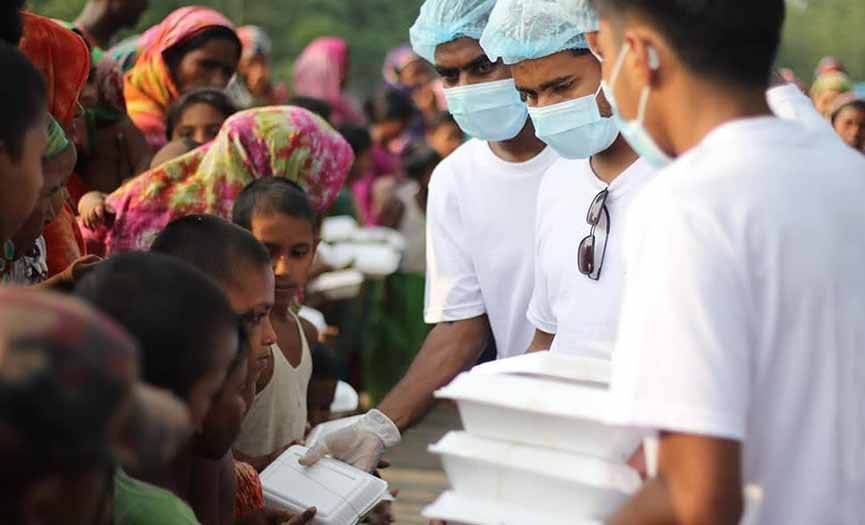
{"points": [[459, 53]]}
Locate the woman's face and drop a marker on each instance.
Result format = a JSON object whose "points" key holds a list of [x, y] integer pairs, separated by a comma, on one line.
{"points": [[21, 180], [211, 65], [199, 122]]}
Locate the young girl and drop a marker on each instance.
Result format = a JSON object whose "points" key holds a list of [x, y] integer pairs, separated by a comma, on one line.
{"points": [[198, 115], [280, 216]]}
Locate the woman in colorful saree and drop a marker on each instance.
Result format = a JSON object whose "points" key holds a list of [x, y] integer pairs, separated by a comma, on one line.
{"points": [[276, 141], [193, 47], [321, 71]]}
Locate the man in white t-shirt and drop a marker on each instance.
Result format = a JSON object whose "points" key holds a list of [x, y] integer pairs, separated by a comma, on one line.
{"points": [[584, 196], [741, 337], [480, 222]]}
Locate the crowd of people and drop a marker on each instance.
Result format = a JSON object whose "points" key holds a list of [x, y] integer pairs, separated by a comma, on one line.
{"points": [[626, 180]]}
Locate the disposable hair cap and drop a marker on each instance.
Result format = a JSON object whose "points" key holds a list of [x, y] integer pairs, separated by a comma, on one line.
{"points": [[528, 29], [442, 21]]}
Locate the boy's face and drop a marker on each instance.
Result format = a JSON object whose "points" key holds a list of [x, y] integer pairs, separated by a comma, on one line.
{"points": [[291, 242], [445, 139], [225, 417], [319, 397], [463, 62], [251, 297], [559, 78], [21, 180], [850, 125]]}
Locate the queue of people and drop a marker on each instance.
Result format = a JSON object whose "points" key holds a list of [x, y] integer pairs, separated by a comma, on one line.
{"points": [[624, 180]]}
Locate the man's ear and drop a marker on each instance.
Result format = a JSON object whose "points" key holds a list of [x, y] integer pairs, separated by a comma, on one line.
{"points": [[592, 39]]}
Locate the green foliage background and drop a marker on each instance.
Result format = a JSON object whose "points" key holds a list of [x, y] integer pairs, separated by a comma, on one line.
{"points": [[814, 28]]}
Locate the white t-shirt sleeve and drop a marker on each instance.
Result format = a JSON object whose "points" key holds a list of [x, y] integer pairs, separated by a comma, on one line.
{"points": [[540, 312], [789, 103], [453, 292], [681, 361]]}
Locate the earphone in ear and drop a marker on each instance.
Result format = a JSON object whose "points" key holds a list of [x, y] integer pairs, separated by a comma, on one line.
{"points": [[654, 59]]}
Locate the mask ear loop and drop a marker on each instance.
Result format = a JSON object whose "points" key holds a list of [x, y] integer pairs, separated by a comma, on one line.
{"points": [[654, 65]]}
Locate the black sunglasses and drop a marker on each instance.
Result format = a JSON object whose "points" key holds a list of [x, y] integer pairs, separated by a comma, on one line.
{"points": [[586, 252]]}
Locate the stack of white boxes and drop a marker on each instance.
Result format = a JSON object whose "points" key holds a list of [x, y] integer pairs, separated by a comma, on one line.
{"points": [[535, 448]]}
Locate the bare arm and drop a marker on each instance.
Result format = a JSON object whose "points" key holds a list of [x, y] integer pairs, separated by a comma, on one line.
{"points": [[699, 482], [541, 341], [449, 349]]}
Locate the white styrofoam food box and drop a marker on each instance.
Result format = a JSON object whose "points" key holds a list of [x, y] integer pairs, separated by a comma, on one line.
{"points": [[460, 510], [339, 228], [563, 483], [341, 493], [339, 285], [560, 403]]}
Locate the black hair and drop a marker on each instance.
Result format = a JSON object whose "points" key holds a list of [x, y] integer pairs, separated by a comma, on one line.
{"points": [[389, 104], [11, 25], [175, 54], [216, 98], [733, 42], [357, 137], [320, 107], [441, 119], [23, 99], [212, 245], [173, 310], [272, 195], [324, 363], [419, 160]]}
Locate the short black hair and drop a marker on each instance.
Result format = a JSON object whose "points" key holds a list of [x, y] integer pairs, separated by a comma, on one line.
{"points": [[729, 41], [272, 195], [357, 137], [324, 363], [173, 55], [214, 246], [174, 311], [320, 107], [389, 104], [419, 160], [216, 98], [23, 99], [11, 25]]}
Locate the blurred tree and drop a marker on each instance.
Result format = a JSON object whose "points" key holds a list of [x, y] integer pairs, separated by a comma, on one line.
{"points": [[814, 29]]}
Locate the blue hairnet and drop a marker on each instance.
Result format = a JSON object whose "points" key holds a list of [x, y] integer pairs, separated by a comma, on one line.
{"points": [[527, 29], [442, 21]]}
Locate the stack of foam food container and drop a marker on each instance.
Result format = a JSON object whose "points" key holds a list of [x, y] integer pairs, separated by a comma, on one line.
{"points": [[535, 448]]}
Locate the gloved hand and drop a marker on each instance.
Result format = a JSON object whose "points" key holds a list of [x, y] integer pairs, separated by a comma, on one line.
{"points": [[361, 444]]}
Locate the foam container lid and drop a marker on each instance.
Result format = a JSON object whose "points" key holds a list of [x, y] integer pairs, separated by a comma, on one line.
{"points": [[343, 281], [341, 493], [339, 228], [376, 259], [567, 466], [460, 510], [565, 367]]}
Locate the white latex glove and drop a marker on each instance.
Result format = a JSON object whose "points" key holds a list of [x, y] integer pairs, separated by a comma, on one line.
{"points": [[361, 444]]}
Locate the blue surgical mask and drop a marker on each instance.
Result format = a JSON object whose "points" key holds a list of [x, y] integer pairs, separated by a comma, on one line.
{"points": [[575, 129], [492, 111], [634, 131]]}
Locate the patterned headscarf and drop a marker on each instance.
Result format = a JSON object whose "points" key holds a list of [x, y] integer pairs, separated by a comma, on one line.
{"points": [[320, 72], [276, 141], [63, 59], [148, 87], [395, 61], [255, 42]]}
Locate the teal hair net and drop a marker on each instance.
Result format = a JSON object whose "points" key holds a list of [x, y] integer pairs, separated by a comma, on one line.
{"points": [[527, 29], [442, 21]]}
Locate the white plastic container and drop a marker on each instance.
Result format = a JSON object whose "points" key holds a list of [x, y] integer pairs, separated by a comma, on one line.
{"points": [[345, 399], [339, 228], [338, 256], [380, 234], [562, 409], [338, 286], [376, 260], [562, 483], [459, 510], [341, 493]]}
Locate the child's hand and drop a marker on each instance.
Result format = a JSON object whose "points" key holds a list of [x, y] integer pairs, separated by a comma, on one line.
{"points": [[93, 210]]}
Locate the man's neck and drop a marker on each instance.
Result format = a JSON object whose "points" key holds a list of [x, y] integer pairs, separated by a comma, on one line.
{"points": [[522, 148], [718, 104], [94, 21], [613, 161]]}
